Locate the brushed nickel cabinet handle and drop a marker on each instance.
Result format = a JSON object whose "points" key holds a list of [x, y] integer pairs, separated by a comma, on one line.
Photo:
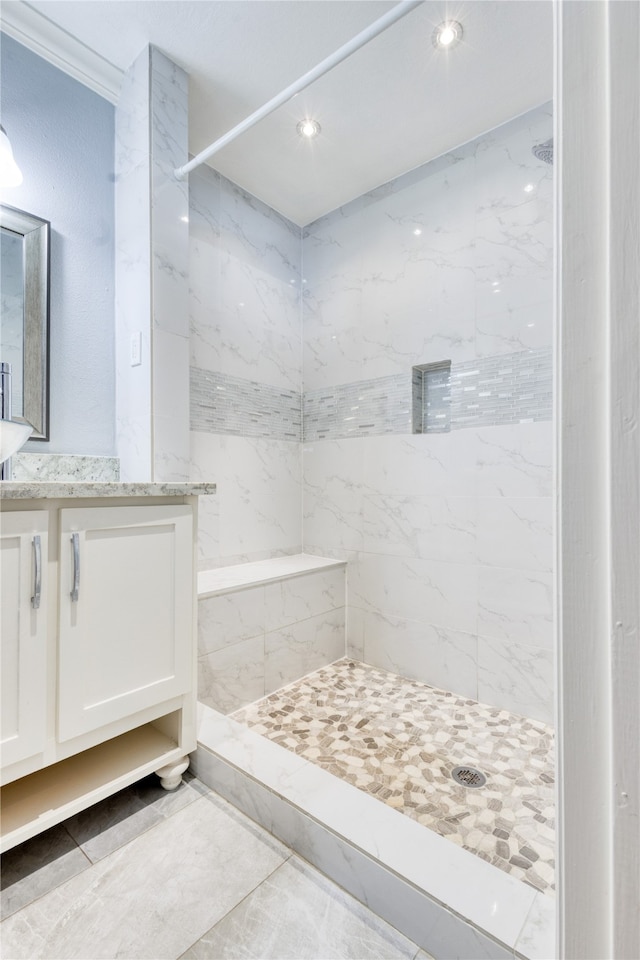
{"points": [[75, 589], [37, 578]]}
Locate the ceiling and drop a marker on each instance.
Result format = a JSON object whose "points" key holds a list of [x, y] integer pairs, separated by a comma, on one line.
{"points": [[391, 106]]}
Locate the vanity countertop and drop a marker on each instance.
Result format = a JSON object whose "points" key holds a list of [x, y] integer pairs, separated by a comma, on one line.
{"points": [[51, 489]]}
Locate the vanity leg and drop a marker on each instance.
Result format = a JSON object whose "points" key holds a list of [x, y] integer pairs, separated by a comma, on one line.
{"points": [[171, 774]]}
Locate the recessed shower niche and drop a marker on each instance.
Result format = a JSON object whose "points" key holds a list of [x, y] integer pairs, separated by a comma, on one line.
{"points": [[431, 397]]}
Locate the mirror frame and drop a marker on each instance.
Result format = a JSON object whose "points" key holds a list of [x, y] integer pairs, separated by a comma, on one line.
{"points": [[36, 237]]}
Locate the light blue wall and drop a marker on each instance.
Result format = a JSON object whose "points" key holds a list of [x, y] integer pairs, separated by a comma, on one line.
{"points": [[63, 140]]}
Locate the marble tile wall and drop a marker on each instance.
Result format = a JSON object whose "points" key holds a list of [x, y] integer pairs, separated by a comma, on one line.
{"points": [[244, 305], [449, 536], [152, 397], [256, 640], [133, 270], [169, 107]]}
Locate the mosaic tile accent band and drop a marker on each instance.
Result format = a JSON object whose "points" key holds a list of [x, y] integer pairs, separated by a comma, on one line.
{"points": [[245, 408], [399, 740], [361, 409], [511, 388]]}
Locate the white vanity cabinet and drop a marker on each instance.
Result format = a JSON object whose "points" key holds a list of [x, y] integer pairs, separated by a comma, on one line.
{"points": [[98, 645], [125, 612], [23, 634]]}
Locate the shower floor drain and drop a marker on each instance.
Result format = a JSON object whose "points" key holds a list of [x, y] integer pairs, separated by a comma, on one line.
{"points": [[468, 777]]}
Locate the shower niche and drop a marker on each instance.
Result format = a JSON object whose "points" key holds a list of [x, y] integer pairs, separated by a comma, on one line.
{"points": [[431, 397]]}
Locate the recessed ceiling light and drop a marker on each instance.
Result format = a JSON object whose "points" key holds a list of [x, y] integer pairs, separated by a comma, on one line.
{"points": [[417, 232], [528, 188], [308, 129], [447, 34]]}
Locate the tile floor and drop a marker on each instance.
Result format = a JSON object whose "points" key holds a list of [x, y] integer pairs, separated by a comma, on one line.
{"points": [[150, 874], [398, 740]]}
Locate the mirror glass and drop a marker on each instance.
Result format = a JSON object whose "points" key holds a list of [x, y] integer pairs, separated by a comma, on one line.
{"points": [[24, 315]]}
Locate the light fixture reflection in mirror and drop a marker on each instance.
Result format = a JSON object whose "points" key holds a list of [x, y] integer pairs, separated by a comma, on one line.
{"points": [[10, 173]]}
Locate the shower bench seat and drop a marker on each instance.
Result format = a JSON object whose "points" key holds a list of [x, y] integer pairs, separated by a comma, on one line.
{"points": [[263, 625]]}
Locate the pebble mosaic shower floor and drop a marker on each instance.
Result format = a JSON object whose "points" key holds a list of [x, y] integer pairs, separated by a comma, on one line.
{"points": [[399, 740]]}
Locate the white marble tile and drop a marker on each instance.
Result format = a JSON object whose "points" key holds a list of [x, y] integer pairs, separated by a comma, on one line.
{"points": [[332, 504], [244, 286], [132, 116], [234, 577], [302, 597], [204, 205], [516, 677], [228, 856], [169, 113], [432, 528], [133, 309], [247, 465], [356, 626], [293, 651], [232, 677], [253, 522], [441, 657], [298, 913], [526, 327], [505, 164], [428, 591], [513, 292], [208, 532], [516, 532], [259, 492], [435, 465], [516, 606], [171, 448], [515, 460], [227, 619], [171, 375], [450, 937], [516, 243], [538, 938]]}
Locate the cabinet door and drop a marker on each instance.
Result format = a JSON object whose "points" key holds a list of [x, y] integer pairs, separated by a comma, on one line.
{"points": [[125, 609], [23, 629]]}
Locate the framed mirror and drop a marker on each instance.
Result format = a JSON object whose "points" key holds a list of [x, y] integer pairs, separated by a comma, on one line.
{"points": [[24, 315]]}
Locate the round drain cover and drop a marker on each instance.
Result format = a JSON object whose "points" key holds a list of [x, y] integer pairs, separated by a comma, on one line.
{"points": [[468, 777]]}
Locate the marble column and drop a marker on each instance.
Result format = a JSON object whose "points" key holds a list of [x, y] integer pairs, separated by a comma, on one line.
{"points": [[152, 213]]}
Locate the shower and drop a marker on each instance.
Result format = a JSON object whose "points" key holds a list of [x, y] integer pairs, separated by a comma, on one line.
{"points": [[544, 151]]}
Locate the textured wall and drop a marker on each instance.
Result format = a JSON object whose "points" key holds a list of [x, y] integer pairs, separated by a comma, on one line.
{"points": [[63, 139], [449, 535], [246, 372]]}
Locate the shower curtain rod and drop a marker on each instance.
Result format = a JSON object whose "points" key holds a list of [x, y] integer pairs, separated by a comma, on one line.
{"points": [[375, 28]]}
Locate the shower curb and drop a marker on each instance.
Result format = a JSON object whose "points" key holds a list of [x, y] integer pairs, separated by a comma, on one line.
{"points": [[447, 900]]}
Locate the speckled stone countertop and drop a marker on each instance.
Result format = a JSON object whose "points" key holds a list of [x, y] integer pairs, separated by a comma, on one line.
{"points": [[50, 489]]}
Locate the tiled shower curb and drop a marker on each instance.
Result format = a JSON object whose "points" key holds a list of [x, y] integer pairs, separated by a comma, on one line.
{"points": [[450, 902]]}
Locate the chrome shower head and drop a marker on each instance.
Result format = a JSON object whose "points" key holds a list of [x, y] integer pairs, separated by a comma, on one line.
{"points": [[544, 151]]}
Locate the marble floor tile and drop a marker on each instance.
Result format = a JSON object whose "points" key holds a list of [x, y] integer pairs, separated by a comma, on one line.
{"points": [[297, 914], [398, 740], [37, 866], [154, 897], [102, 828]]}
